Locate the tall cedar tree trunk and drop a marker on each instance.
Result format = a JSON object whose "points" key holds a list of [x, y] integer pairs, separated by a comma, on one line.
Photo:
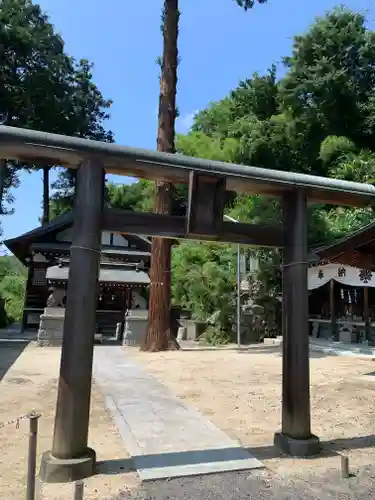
{"points": [[158, 336], [45, 218]]}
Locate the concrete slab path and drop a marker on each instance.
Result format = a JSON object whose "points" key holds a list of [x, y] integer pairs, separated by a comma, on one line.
{"points": [[342, 349], [165, 437]]}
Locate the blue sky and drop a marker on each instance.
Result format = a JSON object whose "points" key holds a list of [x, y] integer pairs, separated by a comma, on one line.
{"points": [[219, 45]]}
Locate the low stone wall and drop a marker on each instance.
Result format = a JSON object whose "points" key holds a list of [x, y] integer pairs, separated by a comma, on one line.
{"points": [[51, 327]]}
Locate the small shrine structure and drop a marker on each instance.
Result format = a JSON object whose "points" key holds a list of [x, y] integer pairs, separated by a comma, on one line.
{"points": [[122, 282], [341, 283]]}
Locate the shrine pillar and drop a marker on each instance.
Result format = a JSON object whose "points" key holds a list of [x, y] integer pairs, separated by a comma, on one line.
{"points": [[70, 458], [295, 437]]}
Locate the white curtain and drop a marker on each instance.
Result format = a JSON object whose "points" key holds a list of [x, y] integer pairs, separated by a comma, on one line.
{"points": [[346, 275]]}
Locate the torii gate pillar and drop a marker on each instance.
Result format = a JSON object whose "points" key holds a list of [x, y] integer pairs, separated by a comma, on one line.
{"points": [[295, 437], [70, 458]]}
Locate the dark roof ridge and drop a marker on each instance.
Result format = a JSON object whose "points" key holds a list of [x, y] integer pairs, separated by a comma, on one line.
{"points": [[60, 222]]}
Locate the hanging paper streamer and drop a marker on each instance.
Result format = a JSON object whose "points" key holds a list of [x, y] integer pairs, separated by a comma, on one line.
{"points": [[352, 276]]}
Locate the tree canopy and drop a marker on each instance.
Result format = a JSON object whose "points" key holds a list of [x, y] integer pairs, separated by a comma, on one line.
{"points": [[12, 288], [318, 119], [41, 86]]}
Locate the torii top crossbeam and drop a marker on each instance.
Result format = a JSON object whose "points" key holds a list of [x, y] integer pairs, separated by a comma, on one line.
{"points": [[34, 146]]}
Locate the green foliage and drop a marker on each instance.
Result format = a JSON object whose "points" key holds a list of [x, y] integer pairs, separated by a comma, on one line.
{"points": [[213, 335], [255, 97], [331, 74], [42, 87], [140, 196], [86, 111], [10, 265], [265, 288], [32, 60], [356, 167], [12, 288], [203, 281], [248, 4], [203, 146], [256, 210], [318, 119], [335, 149], [344, 221], [136, 196]]}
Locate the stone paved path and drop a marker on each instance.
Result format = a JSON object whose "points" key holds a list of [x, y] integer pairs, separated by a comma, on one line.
{"points": [[165, 437]]}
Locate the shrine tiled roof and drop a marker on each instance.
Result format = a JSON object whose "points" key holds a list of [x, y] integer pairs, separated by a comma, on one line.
{"points": [[45, 236], [356, 249]]}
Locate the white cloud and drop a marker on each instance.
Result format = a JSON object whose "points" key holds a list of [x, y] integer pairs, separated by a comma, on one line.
{"points": [[185, 122]]}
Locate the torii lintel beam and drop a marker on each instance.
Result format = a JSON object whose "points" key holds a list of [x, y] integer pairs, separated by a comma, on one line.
{"points": [[41, 147]]}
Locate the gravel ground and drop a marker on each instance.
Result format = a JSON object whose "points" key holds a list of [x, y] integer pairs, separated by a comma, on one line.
{"points": [[243, 400], [261, 486], [240, 392], [28, 379]]}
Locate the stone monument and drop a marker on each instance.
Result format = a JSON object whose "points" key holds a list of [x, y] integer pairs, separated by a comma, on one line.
{"points": [[135, 327], [51, 323]]}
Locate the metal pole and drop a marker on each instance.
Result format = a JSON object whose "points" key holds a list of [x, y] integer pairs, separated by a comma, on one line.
{"points": [[78, 490], [238, 296], [345, 466], [31, 464], [238, 285]]}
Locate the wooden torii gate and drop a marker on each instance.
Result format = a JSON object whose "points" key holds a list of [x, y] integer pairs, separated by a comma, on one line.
{"points": [[70, 458]]}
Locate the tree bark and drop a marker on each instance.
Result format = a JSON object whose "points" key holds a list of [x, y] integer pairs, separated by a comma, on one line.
{"points": [[45, 218], [158, 335]]}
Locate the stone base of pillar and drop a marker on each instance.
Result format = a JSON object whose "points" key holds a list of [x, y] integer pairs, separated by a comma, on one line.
{"points": [[299, 448], [55, 470]]}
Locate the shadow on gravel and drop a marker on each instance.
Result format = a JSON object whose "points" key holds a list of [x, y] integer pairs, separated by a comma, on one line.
{"points": [[274, 349], [9, 353], [116, 466], [329, 449], [252, 349]]}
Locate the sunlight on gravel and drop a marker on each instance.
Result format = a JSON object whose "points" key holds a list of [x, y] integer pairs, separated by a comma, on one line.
{"points": [[240, 392]]}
